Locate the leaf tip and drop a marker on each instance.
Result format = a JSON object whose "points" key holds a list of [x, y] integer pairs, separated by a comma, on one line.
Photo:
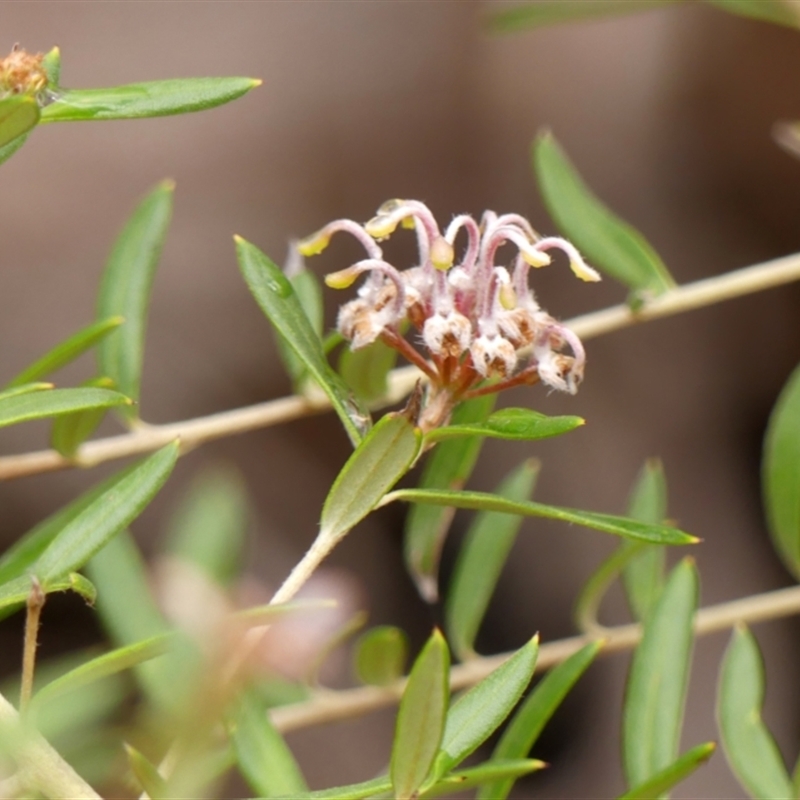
{"points": [[255, 82], [167, 186]]}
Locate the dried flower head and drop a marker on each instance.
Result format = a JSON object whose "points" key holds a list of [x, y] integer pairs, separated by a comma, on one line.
{"points": [[22, 73], [480, 325]]}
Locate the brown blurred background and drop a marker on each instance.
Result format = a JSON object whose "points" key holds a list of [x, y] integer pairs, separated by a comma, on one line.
{"points": [[668, 116]]}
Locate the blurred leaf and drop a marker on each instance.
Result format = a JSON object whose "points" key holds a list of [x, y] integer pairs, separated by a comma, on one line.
{"points": [[39, 405], [277, 299], [510, 423], [477, 714], [549, 12], [778, 12], [154, 99], [376, 787], [676, 772], [125, 289], [421, 718], [66, 351], [26, 388], [209, 526], [19, 114], [381, 654], [382, 458], [658, 679], [479, 776], [610, 243], [14, 594], [146, 774], [749, 747], [480, 562], [109, 514], [51, 63], [781, 474], [70, 431], [618, 526], [107, 664], [448, 467], [527, 724], [643, 575], [263, 756], [263, 615], [8, 150], [366, 370]]}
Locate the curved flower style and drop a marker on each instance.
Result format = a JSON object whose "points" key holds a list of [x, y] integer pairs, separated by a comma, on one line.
{"points": [[480, 324]]}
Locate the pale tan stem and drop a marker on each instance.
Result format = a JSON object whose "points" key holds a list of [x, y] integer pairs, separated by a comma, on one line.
{"points": [[40, 768], [330, 706], [146, 438], [34, 606]]}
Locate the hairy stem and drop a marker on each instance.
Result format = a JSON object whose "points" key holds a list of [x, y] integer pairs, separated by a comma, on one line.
{"points": [[35, 604]]}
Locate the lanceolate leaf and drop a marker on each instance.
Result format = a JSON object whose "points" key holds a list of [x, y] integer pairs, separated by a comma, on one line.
{"points": [[125, 289], [367, 370], [8, 150], [781, 474], [749, 747], [39, 386], [449, 466], [528, 722], [421, 718], [658, 679], [380, 655], [67, 351], [465, 779], [70, 431], [147, 774], [480, 562], [478, 713], [274, 293], [510, 423], [155, 99], [15, 593], [377, 464], [549, 12], [110, 513], [618, 526], [779, 12], [608, 242], [53, 403], [18, 115], [672, 775]]}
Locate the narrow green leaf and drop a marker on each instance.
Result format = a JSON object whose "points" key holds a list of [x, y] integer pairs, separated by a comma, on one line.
{"points": [[14, 594], [781, 474], [83, 586], [643, 574], [277, 299], [462, 780], [658, 679], [25, 388], [18, 114], [263, 756], [125, 288], [676, 772], [618, 526], [550, 12], [376, 787], [778, 12], [510, 423], [107, 664], [382, 458], [155, 99], [53, 403], [480, 562], [109, 514], [448, 467], [421, 718], [366, 371], [479, 712], [527, 724], [51, 63], [8, 150], [209, 527], [70, 431], [380, 655], [749, 747], [67, 351], [147, 774], [609, 243]]}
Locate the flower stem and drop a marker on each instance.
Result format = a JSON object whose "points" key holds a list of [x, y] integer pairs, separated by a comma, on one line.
{"points": [[35, 604]]}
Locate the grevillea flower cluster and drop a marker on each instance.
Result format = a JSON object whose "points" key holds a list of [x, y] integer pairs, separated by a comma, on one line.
{"points": [[480, 325], [23, 73]]}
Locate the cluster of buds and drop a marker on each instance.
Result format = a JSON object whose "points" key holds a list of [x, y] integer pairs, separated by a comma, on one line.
{"points": [[24, 73], [480, 324]]}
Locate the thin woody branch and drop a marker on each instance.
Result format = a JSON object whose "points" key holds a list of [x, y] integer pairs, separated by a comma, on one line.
{"points": [[192, 433]]}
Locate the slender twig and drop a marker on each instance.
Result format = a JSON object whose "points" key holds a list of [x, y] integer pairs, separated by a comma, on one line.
{"points": [[330, 706], [35, 604], [146, 438]]}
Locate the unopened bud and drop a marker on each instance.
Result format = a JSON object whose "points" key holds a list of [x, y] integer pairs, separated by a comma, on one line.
{"points": [[342, 279], [381, 226], [536, 258], [583, 270], [507, 297], [313, 245], [442, 254]]}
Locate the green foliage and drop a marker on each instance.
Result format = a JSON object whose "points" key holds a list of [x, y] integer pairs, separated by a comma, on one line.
{"points": [[30, 405], [70, 431], [481, 559], [366, 370], [277, 299], [18, 115], [521, 424], [670, 776], [748, 745], [609, 242], [448, 467], [778, 12], [380, 655], [146, 774]]}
